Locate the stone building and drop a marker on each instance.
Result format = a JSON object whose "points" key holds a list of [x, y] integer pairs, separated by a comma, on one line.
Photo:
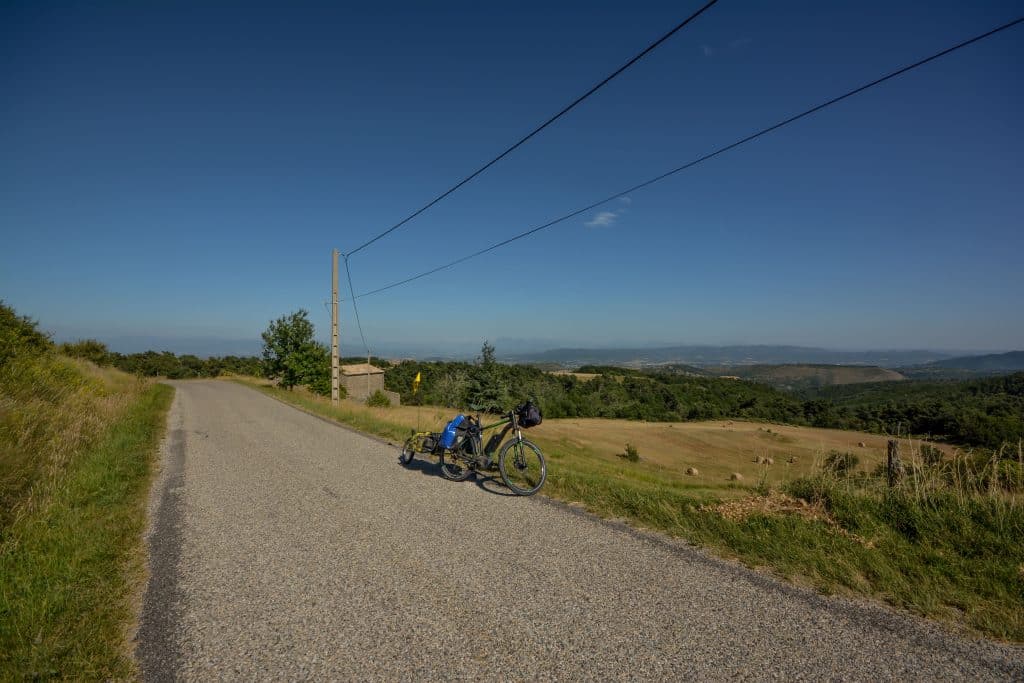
{"points": [[362, 380]]}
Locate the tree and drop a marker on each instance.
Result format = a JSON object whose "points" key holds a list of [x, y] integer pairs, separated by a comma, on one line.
{"points": [[488, 388], [450, 388], [487, 358], [288, 346], [311, 365]]}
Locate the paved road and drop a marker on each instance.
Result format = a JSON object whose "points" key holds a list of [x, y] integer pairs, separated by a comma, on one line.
{"points": [[284, 547]]}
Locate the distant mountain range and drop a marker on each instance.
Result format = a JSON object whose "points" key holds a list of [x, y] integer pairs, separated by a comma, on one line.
{"points": [[703, 356]]}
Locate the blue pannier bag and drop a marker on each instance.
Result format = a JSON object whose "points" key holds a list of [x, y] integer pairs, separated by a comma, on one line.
{"points": [[451, 431]]}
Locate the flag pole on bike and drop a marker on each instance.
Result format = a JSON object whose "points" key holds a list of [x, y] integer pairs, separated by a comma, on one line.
{"points": [[415, 389]]}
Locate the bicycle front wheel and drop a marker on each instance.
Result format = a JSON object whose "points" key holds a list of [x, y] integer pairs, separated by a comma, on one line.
{"points": [[522, 467]]}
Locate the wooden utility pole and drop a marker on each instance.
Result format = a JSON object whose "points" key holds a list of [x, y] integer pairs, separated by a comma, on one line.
{"points": [[894, 466], [335, 365]]}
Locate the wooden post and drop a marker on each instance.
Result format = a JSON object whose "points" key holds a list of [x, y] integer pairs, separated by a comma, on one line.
{"points": [[894, 467], [335, 366]]}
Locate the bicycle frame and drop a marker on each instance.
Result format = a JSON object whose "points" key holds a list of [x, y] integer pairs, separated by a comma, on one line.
{"points": [[484, 458]]}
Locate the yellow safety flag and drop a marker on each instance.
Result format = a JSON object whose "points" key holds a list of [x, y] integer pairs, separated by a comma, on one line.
{"points": [[416, 383]]}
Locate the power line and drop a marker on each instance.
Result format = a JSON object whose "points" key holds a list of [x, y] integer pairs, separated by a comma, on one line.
{"points": [[541, 127], [699, 160], [355, 307]]}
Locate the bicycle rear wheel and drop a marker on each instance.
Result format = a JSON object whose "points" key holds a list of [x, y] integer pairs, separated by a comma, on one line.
{"points": [[454, 467], [522, 467], [408, 450]]}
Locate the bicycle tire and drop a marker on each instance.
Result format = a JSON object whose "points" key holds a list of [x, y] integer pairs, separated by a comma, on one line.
{"points": [[408, 451], [453, 468], [523, 473]]}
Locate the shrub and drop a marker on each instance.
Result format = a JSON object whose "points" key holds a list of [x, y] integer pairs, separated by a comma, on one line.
{"points": [[841, 463], [1009, 475], [89, 349], [378, 399], [631, 453], [930, 454], [20, 335]]}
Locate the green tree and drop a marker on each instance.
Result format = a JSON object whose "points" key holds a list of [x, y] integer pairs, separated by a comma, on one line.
{"points": [[288, 348], [311, 366], [488, 386]]}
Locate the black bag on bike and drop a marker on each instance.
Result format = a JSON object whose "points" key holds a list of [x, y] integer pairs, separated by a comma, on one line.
{"points": [[528, 415]]}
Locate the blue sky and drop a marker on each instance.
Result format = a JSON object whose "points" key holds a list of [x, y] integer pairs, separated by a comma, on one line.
{"points": [[176, 174]]}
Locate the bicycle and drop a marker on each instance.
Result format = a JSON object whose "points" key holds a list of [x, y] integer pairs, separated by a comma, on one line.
{"points": [[520, 461]]}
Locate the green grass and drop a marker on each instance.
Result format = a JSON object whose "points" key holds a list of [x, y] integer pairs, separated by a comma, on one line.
{"points": [[950, 550], [71, 563]]}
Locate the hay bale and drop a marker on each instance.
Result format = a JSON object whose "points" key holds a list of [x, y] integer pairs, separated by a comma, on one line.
{"points": [[861, 444], [735, 476], [757, 459], [792, 459], [692, 471], [769, 461]]}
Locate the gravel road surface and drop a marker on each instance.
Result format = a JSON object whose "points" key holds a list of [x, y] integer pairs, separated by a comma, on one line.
{"points": [[286, 548]]}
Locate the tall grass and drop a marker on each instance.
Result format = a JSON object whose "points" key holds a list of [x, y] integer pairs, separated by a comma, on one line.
{"points": [[76, 450], [51, 408], [944, 541]]}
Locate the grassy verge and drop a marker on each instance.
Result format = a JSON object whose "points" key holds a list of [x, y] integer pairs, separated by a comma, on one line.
{"points": [[70, 559], [945, 543]]}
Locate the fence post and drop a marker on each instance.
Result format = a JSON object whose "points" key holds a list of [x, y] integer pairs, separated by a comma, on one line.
{"points": [[894, 466]]}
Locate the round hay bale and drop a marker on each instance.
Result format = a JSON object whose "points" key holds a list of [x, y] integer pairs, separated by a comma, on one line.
{"points": [[735, 476], [692, 471], [757, 459], [769, 461], [861, 444]]}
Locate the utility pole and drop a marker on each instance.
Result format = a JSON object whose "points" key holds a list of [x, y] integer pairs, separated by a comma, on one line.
{"points": [[335, 366]]}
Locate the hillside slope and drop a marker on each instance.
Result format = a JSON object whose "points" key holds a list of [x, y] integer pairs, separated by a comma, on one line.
{"points": [[964, 367], [808, 376]]}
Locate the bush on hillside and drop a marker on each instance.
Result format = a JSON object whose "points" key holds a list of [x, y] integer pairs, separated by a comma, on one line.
{"points": [[841, 463], [631, 453], [378, 399], [20, 335], [89, 349]]}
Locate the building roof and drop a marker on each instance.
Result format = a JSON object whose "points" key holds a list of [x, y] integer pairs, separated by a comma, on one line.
{"points": [[361, 369]]}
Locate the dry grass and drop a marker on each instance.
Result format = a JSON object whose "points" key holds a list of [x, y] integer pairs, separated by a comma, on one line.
{"points": [[76, 450], [581, 376], [717, 449], [53, 407]]}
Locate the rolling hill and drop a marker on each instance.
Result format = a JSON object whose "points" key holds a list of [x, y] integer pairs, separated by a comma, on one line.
{"points": [[795, 376], [965, 367]]}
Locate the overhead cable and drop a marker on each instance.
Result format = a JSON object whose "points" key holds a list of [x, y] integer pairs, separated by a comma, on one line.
{"points": [[538, 129], [355, 306], [691, 164]]}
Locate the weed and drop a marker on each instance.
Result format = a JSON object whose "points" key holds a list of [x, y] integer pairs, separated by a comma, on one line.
{"points": [[378, 400], [840, 463], [70, 558]]}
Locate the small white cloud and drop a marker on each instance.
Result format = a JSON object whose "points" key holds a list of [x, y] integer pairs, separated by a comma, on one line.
{"points": [[626, 200], [603, 219], [739, 42], [708, 51]]}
